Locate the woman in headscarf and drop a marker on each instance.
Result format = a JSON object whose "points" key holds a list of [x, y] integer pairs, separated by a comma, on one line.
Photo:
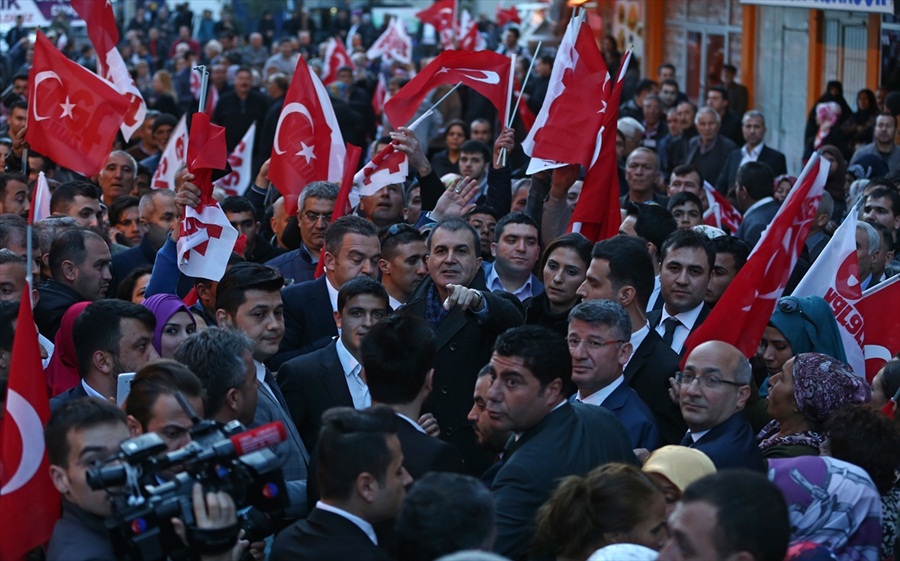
{"points": [[174, 323], [672, 468], [810, 387], [834, 92], [799, 325], [62, 372], [862, 122], [832, 503], [836, 183]]}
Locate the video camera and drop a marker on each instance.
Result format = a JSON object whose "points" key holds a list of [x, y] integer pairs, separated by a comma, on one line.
{"points": [[145, 496]]}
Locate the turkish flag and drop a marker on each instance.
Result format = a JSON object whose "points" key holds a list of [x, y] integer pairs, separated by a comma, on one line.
{"points": [[173, 158], [308, 144], [506, 15], [240, 161], [597, 216], [470, 39], [486, 72], [566, 127], [101, 26], [441, 15], [342, 204], [73, 114], [40, 200], [29, 503], [882, 329], [835, 277], [741, 315], [335, 57], [393, 44], [206, 237], [720, 213]]}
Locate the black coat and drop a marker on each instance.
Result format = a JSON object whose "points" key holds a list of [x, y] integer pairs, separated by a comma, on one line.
{"points": [[648, 373], [773, 158], [423, 453], [308, 320], [52, 305], [325, 536]]}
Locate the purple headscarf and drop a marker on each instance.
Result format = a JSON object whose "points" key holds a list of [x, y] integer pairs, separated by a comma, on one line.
{"points": [[164, 306], [823, 384]]}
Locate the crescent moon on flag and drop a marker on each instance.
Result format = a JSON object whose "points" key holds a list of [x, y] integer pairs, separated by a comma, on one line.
{"points": [[29, 423], [490, 77], [877, 351], [41, 76], [293, 107]]}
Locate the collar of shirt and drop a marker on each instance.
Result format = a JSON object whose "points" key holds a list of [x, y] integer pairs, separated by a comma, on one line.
{"points": [[410, 421], [260, 372], [394, 303], [695, 436], [91, 391], [757, 204], [687, 318], [599, 396], [309, 254], [494, 283], [654, 295], [332, 295], [348, 361], [363, 525], [751, 155], [636, 339], [705, 147]]}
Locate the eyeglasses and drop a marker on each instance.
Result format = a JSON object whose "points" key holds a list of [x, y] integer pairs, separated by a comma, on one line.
{"points": [[791, 305], [708, 382], [314, 217], [592, 344]]}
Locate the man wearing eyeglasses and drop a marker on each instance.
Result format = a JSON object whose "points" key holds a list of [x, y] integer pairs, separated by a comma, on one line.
{"points": [[599, 343], [713, 389]]}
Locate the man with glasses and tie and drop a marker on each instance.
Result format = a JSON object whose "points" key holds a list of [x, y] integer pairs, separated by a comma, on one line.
{"points": [[713, 389], [599, 343]]}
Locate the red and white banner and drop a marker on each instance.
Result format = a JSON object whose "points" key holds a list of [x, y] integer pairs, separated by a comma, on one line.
{"points": [[566, 128], [394, 44], [387, 167], [308, 144], [882, 329], [720, 213], [206, 237], [470, 39], [174, 157], [834, 276], [442, 16], [40, 200], [741, 315], [241, 161], [29, 503], [336, 57]]}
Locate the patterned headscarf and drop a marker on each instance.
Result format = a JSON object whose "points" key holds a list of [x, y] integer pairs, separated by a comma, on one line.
{"points": [[827, 115], [822, 385]]}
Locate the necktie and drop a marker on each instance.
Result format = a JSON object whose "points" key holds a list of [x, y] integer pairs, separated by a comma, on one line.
{"points": [[687, 440], [670, 324], [276, 391]]}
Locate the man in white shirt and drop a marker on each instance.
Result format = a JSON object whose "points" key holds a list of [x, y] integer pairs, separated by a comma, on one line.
{"points": [[362, 483], [687, 260], [516, 250]]}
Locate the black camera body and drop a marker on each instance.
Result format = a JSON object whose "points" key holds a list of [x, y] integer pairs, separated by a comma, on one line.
{"points": [[148, 486]]}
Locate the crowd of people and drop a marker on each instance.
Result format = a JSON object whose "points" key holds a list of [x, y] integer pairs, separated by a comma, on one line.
{"points": [[464, 379]]}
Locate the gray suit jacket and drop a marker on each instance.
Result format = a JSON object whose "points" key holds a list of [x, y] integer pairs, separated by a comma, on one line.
{"points": [[292, 453]]}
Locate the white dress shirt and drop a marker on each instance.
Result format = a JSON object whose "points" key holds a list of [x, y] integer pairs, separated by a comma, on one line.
{"points": [[359, 391], [750, 155], [363, 525], [636, 339], [687, 319]]}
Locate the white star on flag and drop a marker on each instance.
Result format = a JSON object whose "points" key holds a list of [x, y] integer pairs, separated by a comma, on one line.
{"points": [[67, 108], [306, 152]]}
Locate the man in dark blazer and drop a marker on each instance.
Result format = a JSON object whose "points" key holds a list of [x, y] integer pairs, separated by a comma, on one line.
{"points": [[466, 319], [599, 343], [398, 357], [709, 150], [332, 376], [531, 369], [621, 270], [755, 186], [360, 467], [687, 261], [713, 390], [352, 249], [754, 150]]}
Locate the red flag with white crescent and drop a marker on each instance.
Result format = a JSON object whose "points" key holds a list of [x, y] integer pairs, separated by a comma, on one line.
{"points": [[882, 341], [441, 15], [335, 57], [29, 503], [506, 15], [240, 160], [173, 158], [720, 213], [470, 39], [308, 145], [741, 315], [73, 114]]}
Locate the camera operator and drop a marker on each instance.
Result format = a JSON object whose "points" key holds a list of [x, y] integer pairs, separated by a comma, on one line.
{"points": [[79, 436]]}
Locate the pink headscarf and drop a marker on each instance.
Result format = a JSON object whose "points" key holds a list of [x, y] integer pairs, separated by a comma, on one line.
{"points": [[62, 372], [827, 115]]}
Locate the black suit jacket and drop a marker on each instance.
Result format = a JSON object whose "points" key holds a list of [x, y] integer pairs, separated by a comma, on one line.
{"points": [[311, 384], [648, 373], [570, 440], [325, 536], [773, 158], [655, 316], [78, 536], [730, 444], [71, 394], [423, 453], [711, 163], [464, 346], [308, 320]]}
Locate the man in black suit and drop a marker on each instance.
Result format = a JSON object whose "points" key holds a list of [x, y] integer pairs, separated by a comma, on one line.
{"points": [[755, 185], [352, 250], [111, 337], [717, 98], [687, 261], [332, 377], [248, 299], [753, 127], [398, 357], [713, 390], [531, 370], [466, 319], [621, 270], [362, 481]]}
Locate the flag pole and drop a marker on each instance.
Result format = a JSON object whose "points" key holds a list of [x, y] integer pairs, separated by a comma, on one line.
{"points": [[512, 79], [204, 84], [29, 249], [522, 90], [428, 113]]}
